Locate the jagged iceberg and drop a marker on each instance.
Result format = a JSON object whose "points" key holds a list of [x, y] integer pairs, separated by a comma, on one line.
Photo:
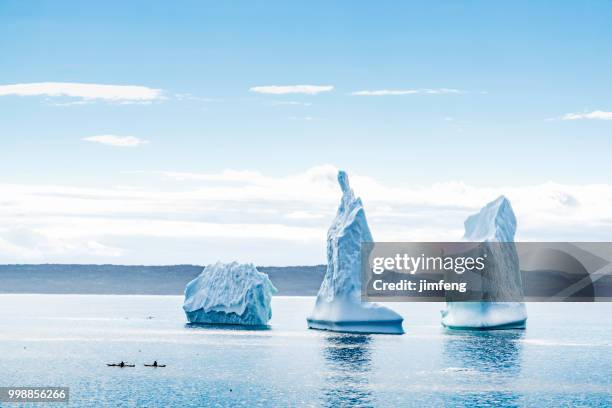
{"points": [[229, 294], [338, 306], [494, 223]]}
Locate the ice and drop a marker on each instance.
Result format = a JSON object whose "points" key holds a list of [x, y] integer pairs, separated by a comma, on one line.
{"points": [[231, 293], [338, 306], [494, 223]]}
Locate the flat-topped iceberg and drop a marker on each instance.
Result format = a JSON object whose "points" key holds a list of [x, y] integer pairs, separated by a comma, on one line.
{"points": [[495, 223], [229, 294], [338, 306]]}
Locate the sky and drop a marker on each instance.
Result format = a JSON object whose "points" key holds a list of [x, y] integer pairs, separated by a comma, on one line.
{"points": [[168, 133]]}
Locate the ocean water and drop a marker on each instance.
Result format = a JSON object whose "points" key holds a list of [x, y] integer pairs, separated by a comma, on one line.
{"points": [[563, 358]]}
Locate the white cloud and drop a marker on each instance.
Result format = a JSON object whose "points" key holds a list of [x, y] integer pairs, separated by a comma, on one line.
{"points": [[28, 244], [85, 92], [395, 92], [598, 115], [303, 215], [292, 89], [226, 175], [291, 103], [246, 215], [117, 141]]}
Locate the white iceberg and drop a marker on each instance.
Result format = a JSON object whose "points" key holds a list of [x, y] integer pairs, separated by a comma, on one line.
{"points": [[229, 294], [494, 223], [339, 306]]}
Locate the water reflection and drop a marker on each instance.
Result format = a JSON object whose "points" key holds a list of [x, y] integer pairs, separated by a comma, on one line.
{"points": [[217, 326], [348, 364], [494, 356]]}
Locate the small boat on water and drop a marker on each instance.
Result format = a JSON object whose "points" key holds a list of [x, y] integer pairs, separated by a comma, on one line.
{"points": [[155, 365], [122, 364]]}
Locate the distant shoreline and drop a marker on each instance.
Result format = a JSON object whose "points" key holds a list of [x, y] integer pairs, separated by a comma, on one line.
{"points": [[106, 279], [133, 295]]}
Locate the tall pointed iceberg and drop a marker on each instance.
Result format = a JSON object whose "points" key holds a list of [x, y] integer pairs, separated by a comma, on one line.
{"points": [[338, 306], [495, 223]]}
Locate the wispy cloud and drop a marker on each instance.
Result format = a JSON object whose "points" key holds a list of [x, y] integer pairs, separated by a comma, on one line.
{"points": [[29, 244], [291, 103], [291, 89], [303, 215], [85, 92], [225, 176], [595, 115], [190, 97], [117, 141], [396, 92]]}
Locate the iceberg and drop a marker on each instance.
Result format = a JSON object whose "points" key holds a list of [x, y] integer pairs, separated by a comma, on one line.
{"points": [[231, 293], [338, 306], [493, 224]]}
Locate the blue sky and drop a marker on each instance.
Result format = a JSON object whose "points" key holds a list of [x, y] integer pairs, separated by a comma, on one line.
{"points": [[494, 96]]}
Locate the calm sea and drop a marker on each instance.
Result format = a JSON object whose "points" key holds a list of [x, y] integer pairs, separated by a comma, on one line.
{"points": [[563, 358]]}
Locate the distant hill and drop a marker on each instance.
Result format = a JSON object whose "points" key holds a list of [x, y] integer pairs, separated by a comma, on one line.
{"points": [[139, 280]]}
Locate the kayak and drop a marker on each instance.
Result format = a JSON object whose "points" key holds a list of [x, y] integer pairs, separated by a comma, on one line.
{"points": [[151, 365], [119, 365]]}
